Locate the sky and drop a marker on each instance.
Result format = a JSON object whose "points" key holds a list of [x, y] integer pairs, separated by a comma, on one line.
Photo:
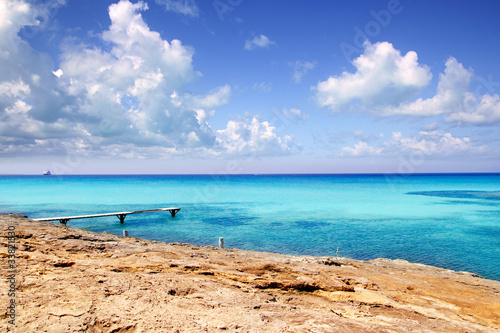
{"points": [[249, 86]]}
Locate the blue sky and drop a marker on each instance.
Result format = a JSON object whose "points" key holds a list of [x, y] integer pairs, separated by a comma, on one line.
{"points": [[240, 86]]}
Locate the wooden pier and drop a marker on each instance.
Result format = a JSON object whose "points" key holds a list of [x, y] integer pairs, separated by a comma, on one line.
{"points": [[120, 215]]}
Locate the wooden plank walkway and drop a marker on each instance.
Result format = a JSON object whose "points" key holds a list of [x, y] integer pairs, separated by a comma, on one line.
{"points": [[120, 215]]}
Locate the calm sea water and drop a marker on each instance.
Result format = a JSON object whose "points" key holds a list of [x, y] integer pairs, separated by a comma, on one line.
{"points": [[450, 221]]}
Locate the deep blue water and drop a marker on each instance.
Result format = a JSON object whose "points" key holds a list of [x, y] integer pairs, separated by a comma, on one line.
{"points": [[446, 220]]}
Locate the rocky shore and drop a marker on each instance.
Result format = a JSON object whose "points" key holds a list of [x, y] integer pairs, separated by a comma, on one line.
{"points": [[72, 280]]}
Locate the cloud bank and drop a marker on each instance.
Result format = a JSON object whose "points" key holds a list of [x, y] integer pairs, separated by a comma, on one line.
{"points": [[125, 97], [432, 143]]}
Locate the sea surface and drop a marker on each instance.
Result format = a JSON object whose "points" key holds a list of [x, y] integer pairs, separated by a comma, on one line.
{"points": [[445, 220]]}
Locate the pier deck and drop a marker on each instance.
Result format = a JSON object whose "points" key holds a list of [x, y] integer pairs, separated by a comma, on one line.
{"points": [[120, 215]]}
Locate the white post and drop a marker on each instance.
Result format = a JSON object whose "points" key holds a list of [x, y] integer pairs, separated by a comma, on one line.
{"points": [[221, 242], [337, 252], [125, 233]]}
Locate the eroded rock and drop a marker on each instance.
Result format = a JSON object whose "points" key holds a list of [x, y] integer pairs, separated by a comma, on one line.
{"points": [[71, 280]]}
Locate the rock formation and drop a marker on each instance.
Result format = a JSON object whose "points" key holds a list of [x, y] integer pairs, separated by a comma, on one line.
{"points": [[72, 280]]}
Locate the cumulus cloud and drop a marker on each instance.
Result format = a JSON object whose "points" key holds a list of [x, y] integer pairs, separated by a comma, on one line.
{"points": [[383, 77], [131, 84], [385, 82], [13, 16], [302, 68], [185, 7], [30, 99], [251, 136], [126, 98], [260, 41], [487, 111], [454, 99], [452, 94]]}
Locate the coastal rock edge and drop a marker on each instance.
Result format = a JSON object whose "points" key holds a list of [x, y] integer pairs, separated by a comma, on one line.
{"points": [[72, 280]]}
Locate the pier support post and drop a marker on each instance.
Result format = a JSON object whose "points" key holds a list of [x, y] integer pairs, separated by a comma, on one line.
{"points": [[221, 242], [173, 212], [125, 233], [121, 217], [64, 221]]}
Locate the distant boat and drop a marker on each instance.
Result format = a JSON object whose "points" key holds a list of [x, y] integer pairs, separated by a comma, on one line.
{"points": [[47, 173]]}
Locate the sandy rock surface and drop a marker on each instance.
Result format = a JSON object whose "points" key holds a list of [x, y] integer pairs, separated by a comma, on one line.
{"points": [[71, 280]]}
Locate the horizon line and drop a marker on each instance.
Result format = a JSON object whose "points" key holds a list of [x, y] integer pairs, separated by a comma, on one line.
{"points": [[256, 174]]}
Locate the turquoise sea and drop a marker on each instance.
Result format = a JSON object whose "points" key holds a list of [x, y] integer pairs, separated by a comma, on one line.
{"points": [[445, 220]]}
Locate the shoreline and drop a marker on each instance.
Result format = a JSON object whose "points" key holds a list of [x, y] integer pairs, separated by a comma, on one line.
{"points": [[100, 282]]}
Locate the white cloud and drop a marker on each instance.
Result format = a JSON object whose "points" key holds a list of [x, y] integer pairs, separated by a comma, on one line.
{"points": [[13, 16], [30, 98], [128, 99], [218, 97], [486, 112], [254, 137], [261, 41], [265, 87], [302, 68], [454, 100], [132, 85], [185, 7], [385, 82], [432, 143], [383, 77], [452, 94], [14, 89], [361, 148], [432, 126], [295, 114], [58, 73], [202, 116], [19, 108]]}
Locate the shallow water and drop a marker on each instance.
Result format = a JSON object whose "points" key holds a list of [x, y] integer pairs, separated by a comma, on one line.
{"points": [[450, 221]]}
